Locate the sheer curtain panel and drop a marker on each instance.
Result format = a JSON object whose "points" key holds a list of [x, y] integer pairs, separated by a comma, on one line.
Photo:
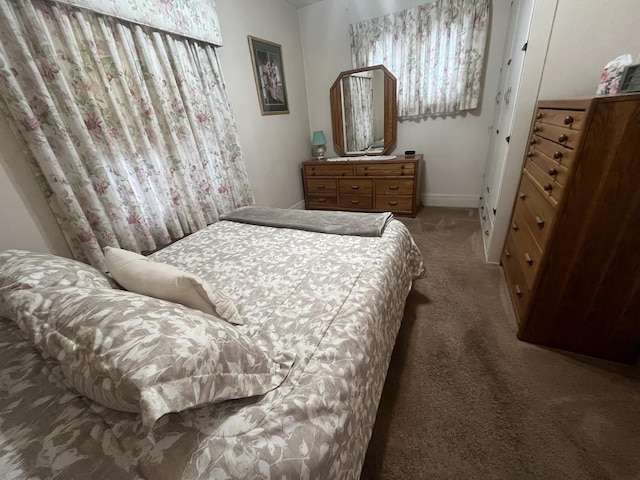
{"points": [[129, 131], [435, 50]]}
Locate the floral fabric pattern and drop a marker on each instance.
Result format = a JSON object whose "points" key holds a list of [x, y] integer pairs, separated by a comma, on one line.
{"points": [[435, 50], [135, 353], [196, 19], [334, 301], [129, 131]]}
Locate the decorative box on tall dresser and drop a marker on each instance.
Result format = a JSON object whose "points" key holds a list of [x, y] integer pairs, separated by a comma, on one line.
{"points": [[572, 255], [364, 185]]}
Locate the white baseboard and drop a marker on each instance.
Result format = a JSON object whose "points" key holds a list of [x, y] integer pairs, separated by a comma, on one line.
{"points": [[298, 206], [446, 200]]}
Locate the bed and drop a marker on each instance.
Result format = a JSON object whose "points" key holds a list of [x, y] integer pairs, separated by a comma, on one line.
{"points": [[334, 303]]}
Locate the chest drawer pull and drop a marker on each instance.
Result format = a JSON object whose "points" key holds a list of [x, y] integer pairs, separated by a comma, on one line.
{"points": [[530, 154], [522, 196], [557, 155], [393, 187], [553, 172], [563, 138], [548, 187], [514, 225], [537, 128], [322, 200], [568, 120], [320, 187], [539, 115], [540, 221], [533, 141], [355, 202], [355, 187], [518, 290], [507, 253], [528, 258], [393, 203]]}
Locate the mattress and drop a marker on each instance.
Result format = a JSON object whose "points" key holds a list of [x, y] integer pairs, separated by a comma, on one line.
{"points": [[334, 301]]}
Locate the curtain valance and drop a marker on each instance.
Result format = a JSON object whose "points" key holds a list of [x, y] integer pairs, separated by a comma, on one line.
{"points": [[196, 19]]}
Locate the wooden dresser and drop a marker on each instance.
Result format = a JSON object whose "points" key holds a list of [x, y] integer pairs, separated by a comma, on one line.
{"points": [[364, 185], [572, 255]]}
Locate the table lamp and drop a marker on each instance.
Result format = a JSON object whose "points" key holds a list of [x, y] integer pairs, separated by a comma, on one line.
{"points": [[320, 144]]}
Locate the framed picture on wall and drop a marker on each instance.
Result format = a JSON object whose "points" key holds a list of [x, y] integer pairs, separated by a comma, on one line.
{"points": [[268, 69]]}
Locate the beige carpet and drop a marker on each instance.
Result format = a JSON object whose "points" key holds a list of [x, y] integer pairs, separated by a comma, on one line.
{"points": [[464, 399]]}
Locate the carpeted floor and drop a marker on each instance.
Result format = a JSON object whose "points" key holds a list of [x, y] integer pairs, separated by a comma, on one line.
{"points": [[464, 399]]}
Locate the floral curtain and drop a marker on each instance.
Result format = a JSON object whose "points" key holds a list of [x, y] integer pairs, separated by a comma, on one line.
{"points": [[436, 51], [129, 131], [358, 106]]}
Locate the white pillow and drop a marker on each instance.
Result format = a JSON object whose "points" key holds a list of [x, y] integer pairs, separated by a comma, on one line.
{"points": [[141, 275]]}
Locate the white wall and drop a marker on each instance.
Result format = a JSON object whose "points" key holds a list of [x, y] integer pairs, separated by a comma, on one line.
{"points": [[454, 148], [26, 222], [273, 145], [586, 36]]}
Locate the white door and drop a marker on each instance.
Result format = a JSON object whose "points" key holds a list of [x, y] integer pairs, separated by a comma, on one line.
{"points": [[511, 73]]}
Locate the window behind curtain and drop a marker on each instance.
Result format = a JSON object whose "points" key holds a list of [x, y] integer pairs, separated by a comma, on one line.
{"points": [[435, 50]]}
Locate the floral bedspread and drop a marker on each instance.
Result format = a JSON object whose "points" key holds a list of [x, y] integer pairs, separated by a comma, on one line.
{"points": [[334, 301]]}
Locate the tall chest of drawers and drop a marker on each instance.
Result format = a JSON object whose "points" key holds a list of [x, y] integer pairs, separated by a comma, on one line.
{"points": [[572, 254], [364, 185]]}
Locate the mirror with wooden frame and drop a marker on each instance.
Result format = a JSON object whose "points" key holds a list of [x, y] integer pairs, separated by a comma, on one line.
{"points": [[363, 111]]}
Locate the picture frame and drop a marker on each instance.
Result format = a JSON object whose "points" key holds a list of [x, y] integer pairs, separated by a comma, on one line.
{"points": [[268, 69]]}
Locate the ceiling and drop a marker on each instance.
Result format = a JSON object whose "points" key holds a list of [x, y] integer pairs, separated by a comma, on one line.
{"points": [[301, 3]]}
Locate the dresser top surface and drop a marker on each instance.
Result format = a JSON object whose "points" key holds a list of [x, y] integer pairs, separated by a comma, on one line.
{"points": [[398, 159]]}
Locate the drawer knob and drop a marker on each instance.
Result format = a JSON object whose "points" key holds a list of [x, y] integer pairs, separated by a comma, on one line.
{"points": [[540, 221], [528, 258], [514, 225], [507, 253], [530, 154], [533, 141], [568, 120], [538, 115], [553, 172], [523, 196], [557, 155], [393, 187], [548, 187], [537, 128], [563, 138], [393, 203], [355, 202], [355, 187], [518, 290]]}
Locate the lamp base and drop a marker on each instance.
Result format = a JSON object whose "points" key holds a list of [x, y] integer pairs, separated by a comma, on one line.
{"points": [[320, 151]]}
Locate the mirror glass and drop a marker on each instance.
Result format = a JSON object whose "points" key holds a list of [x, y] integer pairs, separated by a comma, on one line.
{"points": [[363, 111]]}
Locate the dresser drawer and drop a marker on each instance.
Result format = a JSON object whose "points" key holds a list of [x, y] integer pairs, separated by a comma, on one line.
{"points": [[553, 150], [386, 169], [356, 186], [394, 187], [316, 185], [528, 253], [572, 119], [394, 203], [537, 212], [560, 135], [555, 171], [520, 293], [322, 201], [328, 170], [551, 189], [356, 201]]}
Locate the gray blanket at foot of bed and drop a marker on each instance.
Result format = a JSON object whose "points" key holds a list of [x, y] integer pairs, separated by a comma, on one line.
{"points": [[338, 223]]}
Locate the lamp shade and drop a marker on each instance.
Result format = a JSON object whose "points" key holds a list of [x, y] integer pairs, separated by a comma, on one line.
{"points": [[318, 138]]}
